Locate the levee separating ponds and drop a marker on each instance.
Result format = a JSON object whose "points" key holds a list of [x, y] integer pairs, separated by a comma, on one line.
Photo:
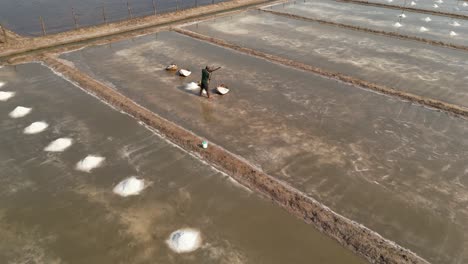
{"points": [[51, 212], [424, 71], [323, 138]]}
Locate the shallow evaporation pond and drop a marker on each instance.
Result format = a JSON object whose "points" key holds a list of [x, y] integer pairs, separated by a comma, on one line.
{"points": [[36, 127], [5, 96], [184, 240], [90, 163], [59, 145], [20, 111], [130, 186]]}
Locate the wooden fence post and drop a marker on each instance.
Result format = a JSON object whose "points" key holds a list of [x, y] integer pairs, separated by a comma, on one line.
{"points": [[42, 26], [130, 15], [154, 7], [74, 18]]}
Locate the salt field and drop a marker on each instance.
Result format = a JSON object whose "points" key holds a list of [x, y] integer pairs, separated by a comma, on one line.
{"points": [[438, 28], [332, 131], [448, 6], [433, 72], [52, 213], [327, 139], [23, 16]]}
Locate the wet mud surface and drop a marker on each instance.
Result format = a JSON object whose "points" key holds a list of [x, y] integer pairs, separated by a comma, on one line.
{"points": [[438, 73], [439, 28], [328, 140], [52, 213]]}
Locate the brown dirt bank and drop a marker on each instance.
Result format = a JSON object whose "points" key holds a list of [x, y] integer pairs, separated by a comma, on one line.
{"points": [[356, 237], [380, 32], [413, 9], [26, 44], [450, 108]]}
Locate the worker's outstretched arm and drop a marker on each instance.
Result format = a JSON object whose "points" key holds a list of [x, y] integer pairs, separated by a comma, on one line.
{"points": [[216, 69]]}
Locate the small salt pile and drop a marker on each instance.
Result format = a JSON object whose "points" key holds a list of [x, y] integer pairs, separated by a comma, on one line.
{"points": [[428, 19], [59, 145], [413, 3], [129, 186], [89, 163], [397, 25], [4, 96], [36, 127], [439, 1], [465, 4], [453, 34], [191, 86], [20, 111], [402, 15], [2, 84], [184, 240], [435, 6], [389, 1], [455, 24], [423, 29]]}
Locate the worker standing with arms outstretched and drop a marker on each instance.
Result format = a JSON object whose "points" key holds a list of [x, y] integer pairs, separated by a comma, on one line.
{"points": [[205, 80]]}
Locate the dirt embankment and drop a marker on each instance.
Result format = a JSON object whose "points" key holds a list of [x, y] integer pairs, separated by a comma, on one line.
{"points": [[359, 239], [380, 32], [413, 9], [451, 108], [26, 44]]}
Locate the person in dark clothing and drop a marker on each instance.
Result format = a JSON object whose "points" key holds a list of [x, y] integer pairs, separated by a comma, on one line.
{"points": [[205, 80]]}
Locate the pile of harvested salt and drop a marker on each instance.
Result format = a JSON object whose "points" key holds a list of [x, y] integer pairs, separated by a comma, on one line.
{"points": [[89, 163], [184, 240], [129, 186], [59, 145], [20, 111], [191, 86], [36, 127], [6, 95], [2, 84]]}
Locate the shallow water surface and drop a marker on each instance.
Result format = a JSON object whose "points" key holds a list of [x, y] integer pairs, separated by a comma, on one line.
{"points": [[52, 213], [398, 168]]}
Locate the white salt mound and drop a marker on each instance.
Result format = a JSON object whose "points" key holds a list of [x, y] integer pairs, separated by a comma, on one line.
{"points": [[6, 95], [453, 33], [455, 24], [428, 19], [435, 6], [465, 4], [2, 84], [413, 3], [439, 1], [59, 145], [184, 73], [20, 111], [397, 25], [184, 240], [402, 15], [36, 127], [129, 186], [89, 163], [423, 29], [192, 86]]}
